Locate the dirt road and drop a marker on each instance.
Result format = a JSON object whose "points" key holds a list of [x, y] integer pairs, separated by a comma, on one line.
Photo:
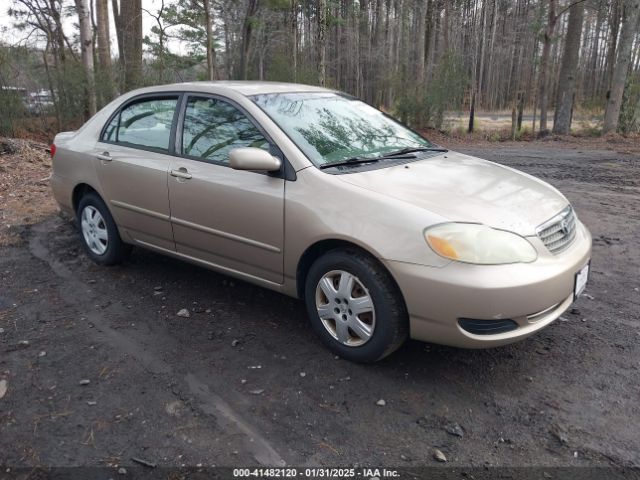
{"points": [[502, 121], [98, 367]]}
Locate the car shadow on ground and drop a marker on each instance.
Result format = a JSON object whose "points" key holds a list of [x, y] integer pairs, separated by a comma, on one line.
{"points": [[278, 321]]}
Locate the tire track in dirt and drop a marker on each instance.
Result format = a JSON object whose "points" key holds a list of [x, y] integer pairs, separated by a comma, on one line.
{"points": [[207, 401]]}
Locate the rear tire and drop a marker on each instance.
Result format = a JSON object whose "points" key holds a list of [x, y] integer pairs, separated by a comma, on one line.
{"points": [[355, 306], [99, 233]]}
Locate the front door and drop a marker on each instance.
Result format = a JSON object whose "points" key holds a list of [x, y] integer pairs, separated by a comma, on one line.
{"points": [[132, 163], [231, 219]]}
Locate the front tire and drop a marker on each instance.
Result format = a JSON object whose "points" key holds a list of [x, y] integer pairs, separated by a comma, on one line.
{"points": [[355, 306], [99, 233]]}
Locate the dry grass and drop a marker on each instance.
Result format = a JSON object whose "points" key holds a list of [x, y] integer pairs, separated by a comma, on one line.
{"points": [[25, 195], [501, 121]]}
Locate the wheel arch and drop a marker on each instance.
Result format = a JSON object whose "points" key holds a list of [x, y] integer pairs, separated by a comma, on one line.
{"points": [[79, 191], [319, 248]]}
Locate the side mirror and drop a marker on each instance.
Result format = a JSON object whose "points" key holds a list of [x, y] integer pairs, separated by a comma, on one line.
{"points": [[251, 158]]}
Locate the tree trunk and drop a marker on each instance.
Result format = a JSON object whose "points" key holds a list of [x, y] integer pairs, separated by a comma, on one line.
{"points": [[117, 20], [294, 38], [131, 25], [472, 112], [445, 29], [434, 15], [212, 71], [614, 21], [322, 42], [592, 67], [544, 66], [482, 41], [620, 71], [520, 110], [86, 44], [247, 30], [104, 51], [568, 71], [494, 21], [421, 34], [363, 59], [227, 46], [54, 98]]}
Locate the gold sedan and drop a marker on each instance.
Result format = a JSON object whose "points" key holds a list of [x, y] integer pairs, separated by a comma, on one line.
{"points": [[315, 194]]}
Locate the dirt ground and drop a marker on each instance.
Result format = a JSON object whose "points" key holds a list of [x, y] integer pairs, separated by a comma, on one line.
{"points": [[98, 368]]}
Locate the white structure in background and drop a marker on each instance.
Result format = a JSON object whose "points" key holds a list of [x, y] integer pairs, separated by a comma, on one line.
{"points": [[39, 103]]}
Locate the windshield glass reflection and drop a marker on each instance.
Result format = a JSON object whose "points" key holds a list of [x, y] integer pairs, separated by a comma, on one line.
{"points": [[329, 127]]}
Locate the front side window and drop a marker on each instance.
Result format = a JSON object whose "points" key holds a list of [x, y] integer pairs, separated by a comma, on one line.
{"points": [[146, 123], [111, 131], [213, 127], [329, 127]]}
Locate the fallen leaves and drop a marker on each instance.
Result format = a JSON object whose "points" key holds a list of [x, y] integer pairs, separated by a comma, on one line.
{"points": [[25, 195]]}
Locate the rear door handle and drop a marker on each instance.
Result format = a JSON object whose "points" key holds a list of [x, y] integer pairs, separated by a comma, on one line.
{"points": [[104, 156], [181, 173]]}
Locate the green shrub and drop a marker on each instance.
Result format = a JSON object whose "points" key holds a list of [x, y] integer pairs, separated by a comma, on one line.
{"points": [[12, 109]]}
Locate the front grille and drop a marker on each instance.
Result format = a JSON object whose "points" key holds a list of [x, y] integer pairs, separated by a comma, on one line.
{"points": [[487, 327], [558, 233]]}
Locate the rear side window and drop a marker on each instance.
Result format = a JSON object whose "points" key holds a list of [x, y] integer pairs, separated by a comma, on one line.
{"points": [[212, 128], [146, 123]]}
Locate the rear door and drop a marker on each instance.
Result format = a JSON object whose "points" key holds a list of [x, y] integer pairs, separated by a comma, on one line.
{"points": [[231, 219], [132, 159]]}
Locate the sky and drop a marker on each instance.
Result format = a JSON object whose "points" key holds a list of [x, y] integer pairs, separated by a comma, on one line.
{"points": [[12, 36]]}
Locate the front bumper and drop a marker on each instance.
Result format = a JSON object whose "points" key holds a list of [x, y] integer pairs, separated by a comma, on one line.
{"points": [[533, 295]]}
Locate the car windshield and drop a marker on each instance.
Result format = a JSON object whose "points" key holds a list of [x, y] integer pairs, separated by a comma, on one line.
{"points": [[331, 127]]}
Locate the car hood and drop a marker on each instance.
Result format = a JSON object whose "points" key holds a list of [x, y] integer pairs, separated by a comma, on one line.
{"points": [[467, 189]]}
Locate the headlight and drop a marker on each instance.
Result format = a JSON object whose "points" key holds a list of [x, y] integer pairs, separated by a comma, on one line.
{"points": [[479, 244]]}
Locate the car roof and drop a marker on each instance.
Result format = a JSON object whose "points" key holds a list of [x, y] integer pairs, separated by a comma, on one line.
{"points": [[243, 87]]}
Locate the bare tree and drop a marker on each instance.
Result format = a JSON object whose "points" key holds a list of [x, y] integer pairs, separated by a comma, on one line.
{"points": [[211, 51], [159, 49], [620, 71], [44, 17], [247, 30], [566, 90], [117, 20], [86, 47], [106, 86], [322, 43], [420, 59], [293, 29], [128, 21], [543, 83]]}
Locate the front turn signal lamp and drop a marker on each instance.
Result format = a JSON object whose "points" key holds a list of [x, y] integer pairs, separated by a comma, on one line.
{"points": [[479, 244]]}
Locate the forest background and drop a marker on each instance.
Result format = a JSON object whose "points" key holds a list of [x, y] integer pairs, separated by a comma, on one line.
{"points": [[507, 68]]}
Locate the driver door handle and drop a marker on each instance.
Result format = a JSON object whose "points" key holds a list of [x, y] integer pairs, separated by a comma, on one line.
{"points": [[181, 173], [104, 156]]}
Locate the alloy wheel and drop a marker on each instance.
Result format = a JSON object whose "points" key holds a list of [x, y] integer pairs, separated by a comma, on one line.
{"points": [[94, 230], [345, 308]]}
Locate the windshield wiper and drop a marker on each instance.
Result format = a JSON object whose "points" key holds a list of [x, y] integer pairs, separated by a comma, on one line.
{"points": [[404, 151], [351, 161]]}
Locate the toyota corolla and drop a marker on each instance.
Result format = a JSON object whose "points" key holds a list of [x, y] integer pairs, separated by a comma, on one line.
{"points": [[317, 195]]}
